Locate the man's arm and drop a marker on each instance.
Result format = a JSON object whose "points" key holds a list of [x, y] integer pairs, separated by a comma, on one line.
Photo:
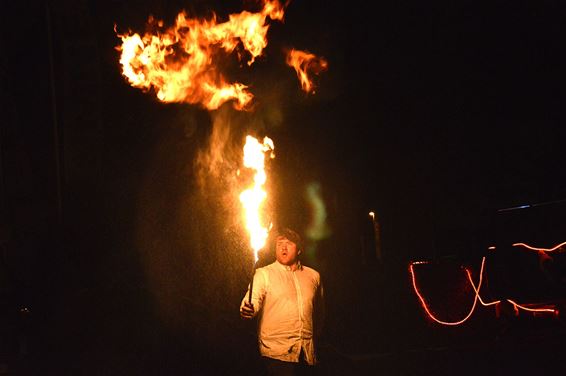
{"points": [[249, 310]]}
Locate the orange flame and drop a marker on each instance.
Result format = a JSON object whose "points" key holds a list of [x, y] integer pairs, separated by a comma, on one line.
{"points": [[304, 64], [253, 197], [179, 62]]}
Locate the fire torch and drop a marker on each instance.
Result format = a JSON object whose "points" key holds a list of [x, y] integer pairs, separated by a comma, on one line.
{"points": [[253, 198]]}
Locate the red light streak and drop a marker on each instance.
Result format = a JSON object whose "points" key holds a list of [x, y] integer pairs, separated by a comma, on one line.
{"points": [[429, 313], [517, 305], [539, 249], [476, 297], [477, 289]]}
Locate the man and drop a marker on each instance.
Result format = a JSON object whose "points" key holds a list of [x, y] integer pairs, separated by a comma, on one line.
{"points": [[287, 297]]}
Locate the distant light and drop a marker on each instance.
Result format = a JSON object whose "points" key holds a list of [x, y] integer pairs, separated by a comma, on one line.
{"points": [[515, 208], [419, 262], [372, 214]]}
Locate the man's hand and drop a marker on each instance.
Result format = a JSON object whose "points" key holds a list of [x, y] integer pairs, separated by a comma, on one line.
{"points": [[247, 311]]}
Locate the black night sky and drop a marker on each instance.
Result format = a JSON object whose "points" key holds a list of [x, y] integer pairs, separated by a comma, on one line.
{"points": [[435, 115]]}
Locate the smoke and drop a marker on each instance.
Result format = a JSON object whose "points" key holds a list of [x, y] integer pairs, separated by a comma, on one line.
{"points": [[190, 231], [217, 163]]}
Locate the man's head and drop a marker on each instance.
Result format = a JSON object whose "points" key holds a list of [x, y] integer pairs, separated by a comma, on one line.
{"points": [[288, 246]]}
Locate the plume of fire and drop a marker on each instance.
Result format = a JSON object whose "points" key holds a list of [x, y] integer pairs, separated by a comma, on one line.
{"points": [[253, 197], [179, 62], [306, 64]]}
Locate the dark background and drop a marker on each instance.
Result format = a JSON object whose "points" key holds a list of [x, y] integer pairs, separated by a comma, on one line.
{"points": [[435, 115]]}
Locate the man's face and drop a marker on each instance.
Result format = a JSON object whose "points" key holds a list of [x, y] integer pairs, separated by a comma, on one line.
{"points": [[286, 251]]}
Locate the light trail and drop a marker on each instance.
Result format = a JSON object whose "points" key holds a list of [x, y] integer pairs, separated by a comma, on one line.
{"points": [[477, 296], [539, 249], [430, 314]]}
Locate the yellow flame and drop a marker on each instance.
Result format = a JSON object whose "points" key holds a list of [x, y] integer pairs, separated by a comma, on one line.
{"points": [[253, 198], [180, 63]]}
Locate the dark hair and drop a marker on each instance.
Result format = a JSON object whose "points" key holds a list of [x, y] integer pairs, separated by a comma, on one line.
{"points": [[291, 235]]}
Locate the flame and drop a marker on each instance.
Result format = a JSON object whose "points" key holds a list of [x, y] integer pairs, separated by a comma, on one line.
{"points": [[253, 197], [179, 62], [305, 63]]}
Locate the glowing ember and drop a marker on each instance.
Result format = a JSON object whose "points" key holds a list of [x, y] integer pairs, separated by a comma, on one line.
{"points": [[306, 64], [179, 62], [253, 197]]}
